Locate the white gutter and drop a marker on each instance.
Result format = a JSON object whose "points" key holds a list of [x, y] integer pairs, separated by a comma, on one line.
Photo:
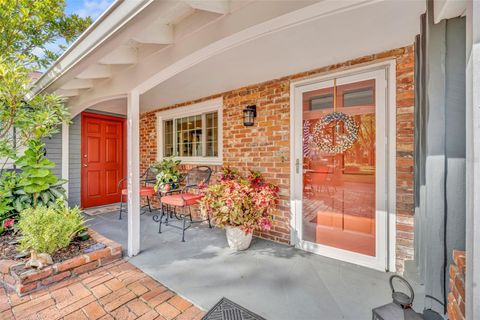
{"points": [[115, 17]]}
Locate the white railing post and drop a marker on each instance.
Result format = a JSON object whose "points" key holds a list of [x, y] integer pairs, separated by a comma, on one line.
{"points": [[133, 172]]}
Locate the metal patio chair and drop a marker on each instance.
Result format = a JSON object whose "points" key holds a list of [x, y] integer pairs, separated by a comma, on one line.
{"points": [[147, 183], [182, 199]]}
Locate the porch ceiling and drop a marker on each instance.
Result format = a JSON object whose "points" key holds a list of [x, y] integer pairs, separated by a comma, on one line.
{"points": [[332, 39], [174, 51]]}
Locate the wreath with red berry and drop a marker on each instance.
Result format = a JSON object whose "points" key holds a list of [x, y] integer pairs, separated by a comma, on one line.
{"points": [[343, 141]]}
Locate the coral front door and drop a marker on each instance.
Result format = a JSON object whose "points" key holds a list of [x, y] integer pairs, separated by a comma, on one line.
{"points": [[103, 159], [341, 167]]}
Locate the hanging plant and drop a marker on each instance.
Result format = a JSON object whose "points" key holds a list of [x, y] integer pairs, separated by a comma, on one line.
{"points": [[325, 143]]}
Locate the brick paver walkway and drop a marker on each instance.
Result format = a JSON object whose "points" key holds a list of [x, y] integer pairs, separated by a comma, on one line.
{"points": [[116, 291]]}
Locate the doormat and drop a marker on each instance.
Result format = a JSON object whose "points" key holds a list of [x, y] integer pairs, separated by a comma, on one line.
{"points": [[228, 310], [95, 211]]}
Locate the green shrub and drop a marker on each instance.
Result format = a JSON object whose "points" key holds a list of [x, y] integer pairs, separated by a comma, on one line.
{"points": [[37, 184], [49, 229]]}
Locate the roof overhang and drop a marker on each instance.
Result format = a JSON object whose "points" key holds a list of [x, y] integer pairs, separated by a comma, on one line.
{"points": [[109, 22], [159, 48]]}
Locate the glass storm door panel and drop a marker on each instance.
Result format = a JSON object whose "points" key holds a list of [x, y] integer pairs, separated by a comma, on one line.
{"points": [[342, 168]]}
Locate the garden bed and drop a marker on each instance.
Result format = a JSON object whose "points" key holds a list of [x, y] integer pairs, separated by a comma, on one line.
{"points": [[68, 262]]}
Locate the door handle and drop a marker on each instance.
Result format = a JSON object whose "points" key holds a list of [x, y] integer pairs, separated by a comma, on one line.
{"points": [[297, 165], [84, 165]]}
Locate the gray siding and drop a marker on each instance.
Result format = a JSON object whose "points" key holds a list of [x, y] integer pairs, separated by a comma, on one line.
{"points": [[439, 152], [54, 152], [74, 161], [53, 147]]}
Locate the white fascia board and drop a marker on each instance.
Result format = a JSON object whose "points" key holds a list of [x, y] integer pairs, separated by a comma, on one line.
{"points": [[118, 14]]}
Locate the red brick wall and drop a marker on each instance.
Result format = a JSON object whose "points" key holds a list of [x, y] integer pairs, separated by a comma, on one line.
{"points": [[266, 146], [456, 297]]}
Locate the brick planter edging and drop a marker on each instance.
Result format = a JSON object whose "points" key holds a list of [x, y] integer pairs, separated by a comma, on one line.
{"points": [[33, 279], [456, 297]]}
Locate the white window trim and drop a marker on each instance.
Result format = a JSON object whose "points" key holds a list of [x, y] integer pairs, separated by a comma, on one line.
{"points": [[191, 110]]}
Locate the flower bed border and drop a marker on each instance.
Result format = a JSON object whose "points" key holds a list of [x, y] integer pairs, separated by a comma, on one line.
{"points": [[33, 279]]}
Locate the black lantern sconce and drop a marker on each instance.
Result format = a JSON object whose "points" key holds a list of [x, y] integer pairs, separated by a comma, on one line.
{"points": [[249, 115]]}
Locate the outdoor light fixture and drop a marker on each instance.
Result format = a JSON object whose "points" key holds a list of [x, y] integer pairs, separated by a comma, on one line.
{"points": [[249, 115]]}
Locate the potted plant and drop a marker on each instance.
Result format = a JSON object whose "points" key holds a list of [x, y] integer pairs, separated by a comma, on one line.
{"points": [[169, 176], [241, 205]]}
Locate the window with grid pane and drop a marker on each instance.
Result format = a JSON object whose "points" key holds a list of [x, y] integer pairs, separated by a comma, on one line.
{"points": [[192, 136], [168, 138], [212, 134]]}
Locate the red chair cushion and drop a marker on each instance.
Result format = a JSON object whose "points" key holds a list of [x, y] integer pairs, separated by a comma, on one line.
{"points": [[177, 200], [144, 191]]}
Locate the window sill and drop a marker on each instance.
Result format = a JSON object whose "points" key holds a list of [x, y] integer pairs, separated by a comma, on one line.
{"points": [[200, 161]]}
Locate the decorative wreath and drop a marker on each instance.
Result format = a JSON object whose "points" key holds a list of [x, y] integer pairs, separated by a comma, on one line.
{"points": [[343, 141]]}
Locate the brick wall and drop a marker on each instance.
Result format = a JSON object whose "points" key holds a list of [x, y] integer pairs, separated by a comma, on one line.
{"points": [[266, 146], [456, 297]]}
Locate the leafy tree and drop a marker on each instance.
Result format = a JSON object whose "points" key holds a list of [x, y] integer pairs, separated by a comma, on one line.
{"points": [[32, 119], [29, 28]]}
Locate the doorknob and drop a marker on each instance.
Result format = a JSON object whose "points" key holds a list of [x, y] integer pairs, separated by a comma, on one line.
{"points": [[84, 164]]}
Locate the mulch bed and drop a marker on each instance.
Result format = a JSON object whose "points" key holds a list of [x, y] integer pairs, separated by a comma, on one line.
{"points": [[8, 249]]}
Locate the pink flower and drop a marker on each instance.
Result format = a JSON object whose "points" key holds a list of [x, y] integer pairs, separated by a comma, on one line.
{"points": [[8, 223], [265, 223]]}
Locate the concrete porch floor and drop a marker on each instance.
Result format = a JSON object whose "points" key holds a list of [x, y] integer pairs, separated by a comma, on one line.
{"points": [[272, 280]]}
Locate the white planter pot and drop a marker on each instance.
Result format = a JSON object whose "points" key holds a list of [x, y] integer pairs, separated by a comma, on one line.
{"points": [[237, 239]]}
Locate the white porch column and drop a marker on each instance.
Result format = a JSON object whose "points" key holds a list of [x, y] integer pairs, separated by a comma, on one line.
{"points": [[133, 172], [472, 283], [65, 153]]}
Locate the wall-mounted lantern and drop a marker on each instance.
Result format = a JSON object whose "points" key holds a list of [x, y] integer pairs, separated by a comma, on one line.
{"points": [[249, 115]]}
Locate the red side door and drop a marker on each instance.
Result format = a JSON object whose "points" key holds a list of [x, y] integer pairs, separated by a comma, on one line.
{"points": [[103, 159]]}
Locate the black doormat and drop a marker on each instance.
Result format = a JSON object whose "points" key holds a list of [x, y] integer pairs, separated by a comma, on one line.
{"points": [[228, 310]]}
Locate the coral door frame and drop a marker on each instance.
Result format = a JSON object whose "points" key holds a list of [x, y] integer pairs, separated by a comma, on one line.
{"points": [[386, 217]]}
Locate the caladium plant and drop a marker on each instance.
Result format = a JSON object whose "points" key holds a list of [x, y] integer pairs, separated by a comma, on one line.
{"points": [[245, 202]]}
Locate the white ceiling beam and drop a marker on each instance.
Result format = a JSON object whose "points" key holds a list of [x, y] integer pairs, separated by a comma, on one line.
{"points": [[216, 6], [67, 93], [97, 71], [158, 33], [77, 84], [121, 55]]}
